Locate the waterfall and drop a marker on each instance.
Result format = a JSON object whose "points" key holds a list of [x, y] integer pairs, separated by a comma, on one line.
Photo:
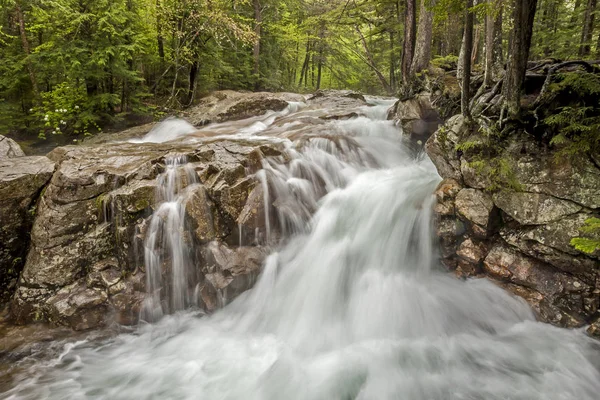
{"points": [[165, 243], [352, 305]]}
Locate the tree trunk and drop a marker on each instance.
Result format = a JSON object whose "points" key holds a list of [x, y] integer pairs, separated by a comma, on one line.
{"points": [[256, 47], [523, 17], [392, 63], [466, 57], [588, 29], [493, 44], [27, 50], [424, 38], [319, 66], [476, 42], [410, 17], [159, 37], [305, 64], [192, 86]]}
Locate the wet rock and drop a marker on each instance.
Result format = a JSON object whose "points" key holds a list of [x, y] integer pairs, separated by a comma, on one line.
{"points": [[471, 252], [445, 195], [22, 180], [229, 272], [417, 117], [475, 206], [85, 267], [551, 243], [441, 148], [9, 148], [560, 291], [79, 307], [534, 208], [227, 105]]}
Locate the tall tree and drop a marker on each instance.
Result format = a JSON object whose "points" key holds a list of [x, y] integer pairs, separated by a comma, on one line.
{"points": [[466, 60], [256, 47], [587, 29], [493, 42], [424, 38], [410, 17], [27, 50], [523, 17]]}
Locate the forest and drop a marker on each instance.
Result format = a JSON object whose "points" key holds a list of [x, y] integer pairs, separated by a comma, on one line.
{"points": [[77, 66]]}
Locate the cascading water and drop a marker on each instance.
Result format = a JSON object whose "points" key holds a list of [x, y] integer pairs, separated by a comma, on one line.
{"points": [[352, 306], [165, 243]]}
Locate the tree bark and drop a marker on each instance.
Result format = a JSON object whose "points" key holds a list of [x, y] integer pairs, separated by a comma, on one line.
{"points": [[422, 55], [303, 71], [159, 37], [410, 17], [194, 68], [588, 29], [523, 17], [256, 47], [493, 44], [466, 54], [27, 50]]}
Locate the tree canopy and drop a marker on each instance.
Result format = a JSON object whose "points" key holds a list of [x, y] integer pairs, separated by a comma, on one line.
{"points": [[75, 66]]}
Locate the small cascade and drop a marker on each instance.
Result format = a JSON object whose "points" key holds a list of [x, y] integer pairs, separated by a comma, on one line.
{"points": [[166, 247], [170, 129]]}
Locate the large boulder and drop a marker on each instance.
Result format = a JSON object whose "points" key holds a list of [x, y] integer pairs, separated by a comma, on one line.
{"points": [[417, 116], [21, 182], [228, 105], [85, 266], [9, 148]]}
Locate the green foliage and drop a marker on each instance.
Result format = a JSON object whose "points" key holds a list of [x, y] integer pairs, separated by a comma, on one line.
{"points": [[577, 124], [592, 243], [447, 63]]}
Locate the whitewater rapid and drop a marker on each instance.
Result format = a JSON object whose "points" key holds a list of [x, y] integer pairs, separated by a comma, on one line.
{"points": [[352, 305]]}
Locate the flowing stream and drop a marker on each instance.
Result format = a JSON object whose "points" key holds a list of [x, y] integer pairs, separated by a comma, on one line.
{"points": [[352, 305]]}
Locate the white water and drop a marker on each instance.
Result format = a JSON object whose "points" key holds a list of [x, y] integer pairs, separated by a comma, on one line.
{"points": [[165, 237], [353, 306]]}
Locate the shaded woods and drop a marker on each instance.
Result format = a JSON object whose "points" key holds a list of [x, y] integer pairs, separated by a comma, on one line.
{"points": [[73, 66]]}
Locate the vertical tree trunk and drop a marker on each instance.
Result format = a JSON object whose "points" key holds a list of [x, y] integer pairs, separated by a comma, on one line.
{"points": [[159, 37], [424, 38], [523, 17], [392, 63], [410, 17], [466, 57], [192, 84], [256, 47], [319, 66], [476, 42], [27, 50], [588, 29], [305, 64], [493, 43]]}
